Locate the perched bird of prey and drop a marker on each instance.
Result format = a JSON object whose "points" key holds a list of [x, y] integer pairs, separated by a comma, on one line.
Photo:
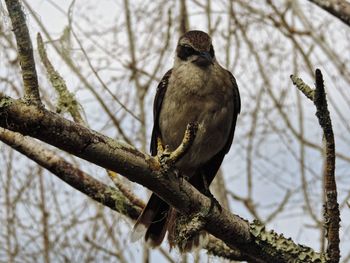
{"points": [[196, 90]]}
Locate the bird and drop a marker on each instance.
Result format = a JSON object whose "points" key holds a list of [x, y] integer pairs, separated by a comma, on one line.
{"points": [[197, 89]]}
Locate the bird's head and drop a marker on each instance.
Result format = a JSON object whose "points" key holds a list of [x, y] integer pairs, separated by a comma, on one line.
{"points": [[196, 47]]}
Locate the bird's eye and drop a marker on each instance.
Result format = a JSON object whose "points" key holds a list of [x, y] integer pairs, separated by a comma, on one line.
{"points": [[188, 51], [185, 51]]}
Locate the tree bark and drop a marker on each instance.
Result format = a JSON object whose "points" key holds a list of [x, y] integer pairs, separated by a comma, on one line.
{"points": [[338, 8], [255, 243]]}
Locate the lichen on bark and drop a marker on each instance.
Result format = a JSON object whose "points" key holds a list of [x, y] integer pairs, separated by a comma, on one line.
{"points": [[283, 247]]}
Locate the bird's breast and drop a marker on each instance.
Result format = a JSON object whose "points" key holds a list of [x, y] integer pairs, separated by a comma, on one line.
{"points": [[194, 95]]}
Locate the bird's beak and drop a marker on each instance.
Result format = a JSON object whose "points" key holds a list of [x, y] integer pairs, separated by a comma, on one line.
{"points": [[204, 59]]}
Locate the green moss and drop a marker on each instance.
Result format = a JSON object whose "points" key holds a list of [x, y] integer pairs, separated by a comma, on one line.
{"points": [[66, 100], [119, 200], [188, 231], [5, 101]]}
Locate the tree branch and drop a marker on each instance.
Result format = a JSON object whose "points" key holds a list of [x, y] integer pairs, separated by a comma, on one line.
{"points": [[73, 176], [331, 213], [116, 200], [75, 69], [252, 240], [25, 51], [338, 8], [66, 99], [331, 206]]}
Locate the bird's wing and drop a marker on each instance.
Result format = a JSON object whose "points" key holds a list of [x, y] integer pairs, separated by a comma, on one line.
{"points": [[157, 105], [210, 168], [153, 218], [236, 111]]}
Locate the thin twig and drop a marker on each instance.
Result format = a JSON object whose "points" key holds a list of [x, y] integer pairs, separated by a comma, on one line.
{"points": [[69, 62], [279, 208], [67, 100], [303, 87], [166, 254], [118, 255], [125, 190], [97, 75]]}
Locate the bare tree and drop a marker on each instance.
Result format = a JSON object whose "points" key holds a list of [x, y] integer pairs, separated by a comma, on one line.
{"points": [[102, 73]]}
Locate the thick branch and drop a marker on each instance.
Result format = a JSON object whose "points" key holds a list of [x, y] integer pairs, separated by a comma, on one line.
{"points": [[338, 8], [103, 151], [73, 176], [104, 194], [25, 51], [253, 240]]}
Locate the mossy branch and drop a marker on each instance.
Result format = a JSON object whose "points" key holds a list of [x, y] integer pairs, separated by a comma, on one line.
{"points": [[284, 248], [303, 87], [66, 100], [256, 246]]}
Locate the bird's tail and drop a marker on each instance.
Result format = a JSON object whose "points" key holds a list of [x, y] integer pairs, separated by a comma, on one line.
{"points": [[152, 223]]}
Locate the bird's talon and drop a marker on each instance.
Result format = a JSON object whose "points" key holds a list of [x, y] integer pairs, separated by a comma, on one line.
{"points": [[166, 153], [213, 202], [164, 158]]}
